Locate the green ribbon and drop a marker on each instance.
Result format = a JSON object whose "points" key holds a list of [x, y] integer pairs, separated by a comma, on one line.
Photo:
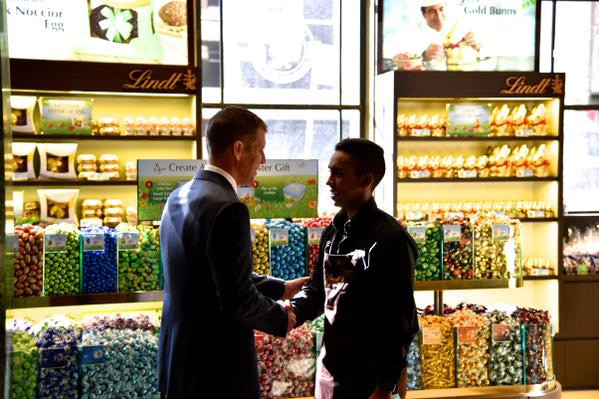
{"points": [[116, 24]]}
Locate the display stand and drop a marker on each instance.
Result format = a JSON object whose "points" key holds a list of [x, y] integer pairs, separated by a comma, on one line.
{"points": [[428, 93], [117, 90], [577, 344]]}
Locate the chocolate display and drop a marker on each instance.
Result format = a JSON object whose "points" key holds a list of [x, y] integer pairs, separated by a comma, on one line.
{"points": [[174, 13], [28, 261], [113, 24], [61, 260]]}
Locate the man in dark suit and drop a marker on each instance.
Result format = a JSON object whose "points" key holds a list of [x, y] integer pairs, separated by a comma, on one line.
{"points": [[212, 300]]}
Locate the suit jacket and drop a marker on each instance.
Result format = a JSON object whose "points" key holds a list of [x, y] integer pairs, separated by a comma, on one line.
{"points": [[212, 300]]}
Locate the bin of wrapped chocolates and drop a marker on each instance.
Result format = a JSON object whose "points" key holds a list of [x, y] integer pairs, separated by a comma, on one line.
{"points": [[437, 352], [497, 249], [260, 248], [472, 348], [458, 248], [468, 346], [429, 240], [314, 229]]}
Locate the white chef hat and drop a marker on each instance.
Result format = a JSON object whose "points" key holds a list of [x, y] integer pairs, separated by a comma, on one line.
{"points": [[428, 3]]}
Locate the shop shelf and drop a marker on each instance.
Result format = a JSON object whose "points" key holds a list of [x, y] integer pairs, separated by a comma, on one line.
{"points": [[550, 389], [575, 278], [33, 183], [76, 137], [538, 220], [442, 285], [532, 278], [94, 299], [478, 179], [485, 138]]}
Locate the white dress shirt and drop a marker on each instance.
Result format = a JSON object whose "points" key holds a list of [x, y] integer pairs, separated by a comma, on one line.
{"points": [[223, 173]]}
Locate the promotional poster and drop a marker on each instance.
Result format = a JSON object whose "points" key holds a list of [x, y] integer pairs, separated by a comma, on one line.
{"points": [[119, 31], [459, 35]]}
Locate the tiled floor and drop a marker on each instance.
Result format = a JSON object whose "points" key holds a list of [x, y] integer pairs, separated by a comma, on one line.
{"points": [[580, 395]]}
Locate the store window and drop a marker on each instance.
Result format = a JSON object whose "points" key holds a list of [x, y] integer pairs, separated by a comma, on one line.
{"points": [[273, 54], [581, 161], [545, 44], [305, 134], [299, 52], [576, 49]]}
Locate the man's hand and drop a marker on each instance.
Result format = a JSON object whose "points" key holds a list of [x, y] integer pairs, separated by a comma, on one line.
{"points": [[292, 287], [291, 319], [403, 383], [434, 52], [380, 394], [472, 41]]}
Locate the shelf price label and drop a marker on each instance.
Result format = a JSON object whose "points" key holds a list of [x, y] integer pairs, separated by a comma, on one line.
{"points": [[417, 216], [524, 132], [467, 174], [452, 232], [466, 335], [128, 241], [12, 243], [55, 243], [501, 332], [420, 174], [421, 132], [418, 233], [501, 232], [279, 237], [535, 213], [93, 242], [53, 358], [93, 354], [525, 173], [314, 234], [455, 215], [431, 336]]}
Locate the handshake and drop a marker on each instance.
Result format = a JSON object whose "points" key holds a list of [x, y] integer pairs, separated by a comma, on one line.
{"points": [[291, 288], [291, 318]]}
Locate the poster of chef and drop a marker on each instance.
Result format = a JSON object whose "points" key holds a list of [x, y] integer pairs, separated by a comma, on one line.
{"points": [[459, 35]]}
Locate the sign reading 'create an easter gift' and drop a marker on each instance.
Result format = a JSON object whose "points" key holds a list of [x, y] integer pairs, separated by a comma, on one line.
{"points": [[283, 188], [156, 179]]}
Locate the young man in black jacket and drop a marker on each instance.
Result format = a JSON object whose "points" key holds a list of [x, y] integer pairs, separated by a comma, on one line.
{"points": [[363, 282]]}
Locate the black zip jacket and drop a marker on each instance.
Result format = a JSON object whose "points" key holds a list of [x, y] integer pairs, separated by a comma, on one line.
{"points": [[370, 309]]}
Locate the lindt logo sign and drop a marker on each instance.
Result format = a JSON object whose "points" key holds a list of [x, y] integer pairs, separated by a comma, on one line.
{"points": [[519, 85]]}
